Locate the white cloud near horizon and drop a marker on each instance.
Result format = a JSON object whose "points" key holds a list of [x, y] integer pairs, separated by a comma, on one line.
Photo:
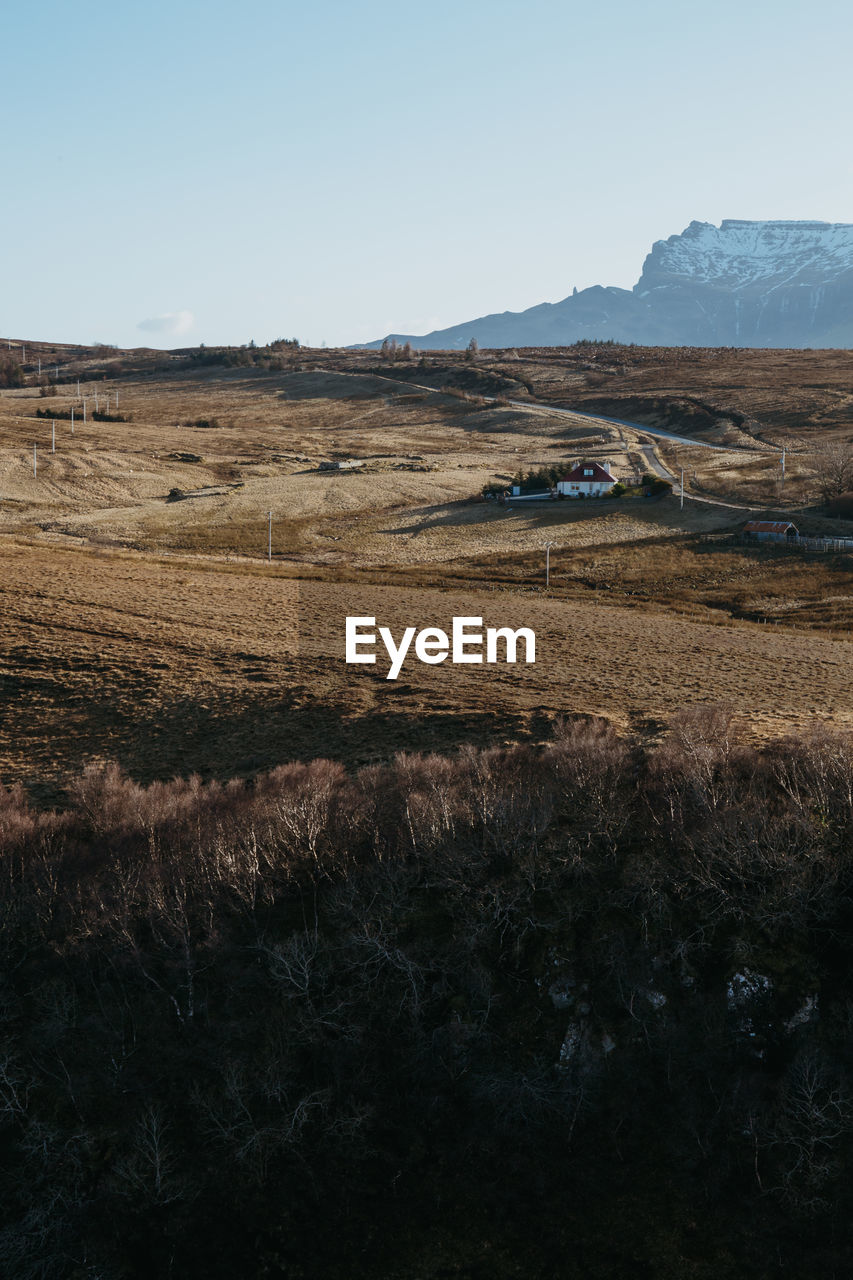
{"points": [[170, 322]]}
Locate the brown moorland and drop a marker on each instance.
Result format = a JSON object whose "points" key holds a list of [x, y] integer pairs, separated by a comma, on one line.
{"points": [[141, 621]]}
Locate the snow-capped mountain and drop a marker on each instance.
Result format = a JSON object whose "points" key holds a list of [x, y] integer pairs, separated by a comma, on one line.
{"points": [[742, 284], [739, 254]]}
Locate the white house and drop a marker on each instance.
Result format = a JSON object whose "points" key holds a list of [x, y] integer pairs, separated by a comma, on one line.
{"points": [[587, 480]]}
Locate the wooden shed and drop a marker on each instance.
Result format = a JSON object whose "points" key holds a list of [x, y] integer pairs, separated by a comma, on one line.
{"points": [[770, 530]]}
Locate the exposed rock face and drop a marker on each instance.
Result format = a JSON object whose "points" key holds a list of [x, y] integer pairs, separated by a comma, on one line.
{"points": [[755, 284], [742, 284]]}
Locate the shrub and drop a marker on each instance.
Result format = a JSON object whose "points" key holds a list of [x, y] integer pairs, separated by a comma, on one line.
{"points": [[11, 372], [841, 506]]}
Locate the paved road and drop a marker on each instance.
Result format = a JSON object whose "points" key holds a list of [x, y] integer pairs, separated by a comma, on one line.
{"points": [[595, 418], [653, 461], [617, 422]]}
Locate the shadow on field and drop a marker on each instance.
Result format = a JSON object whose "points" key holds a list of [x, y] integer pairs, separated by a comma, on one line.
{"points": [[446, 515], [239, 736], [548, 512]]}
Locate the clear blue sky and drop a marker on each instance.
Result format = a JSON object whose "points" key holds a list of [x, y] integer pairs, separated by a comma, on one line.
{"points": [[337, 171]]}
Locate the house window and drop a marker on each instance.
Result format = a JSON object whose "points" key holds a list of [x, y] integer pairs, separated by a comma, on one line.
{"points": [[587, 471]]}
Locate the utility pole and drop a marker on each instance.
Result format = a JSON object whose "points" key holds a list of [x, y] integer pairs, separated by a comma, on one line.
{"points": [[35, 459], [72, 419], [78, 388], [783, 464], [682, 488]]}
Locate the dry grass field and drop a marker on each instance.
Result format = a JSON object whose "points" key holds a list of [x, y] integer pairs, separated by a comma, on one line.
{"points": [[142, 622], [176, 665], [774, 394]]}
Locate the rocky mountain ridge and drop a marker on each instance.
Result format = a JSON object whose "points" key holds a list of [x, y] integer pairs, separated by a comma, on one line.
{"points": [[742, 284]]}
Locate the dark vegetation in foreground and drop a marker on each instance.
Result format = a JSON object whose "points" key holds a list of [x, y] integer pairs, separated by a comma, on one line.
{"points": [[581, 1010]]}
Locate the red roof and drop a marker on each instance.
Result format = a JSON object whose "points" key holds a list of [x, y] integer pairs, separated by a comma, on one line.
{"points": [[599, 474], [768, 526]]}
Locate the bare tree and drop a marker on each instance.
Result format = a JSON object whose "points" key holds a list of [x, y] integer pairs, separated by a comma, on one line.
{"points": [[832, 467], [148, 1171], [814, 1116]]}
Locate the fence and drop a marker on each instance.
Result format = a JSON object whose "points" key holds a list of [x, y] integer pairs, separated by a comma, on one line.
{"points": [[799, 543]]}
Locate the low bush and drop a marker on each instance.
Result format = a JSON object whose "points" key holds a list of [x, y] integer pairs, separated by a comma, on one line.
{"points": [[11, 372], [655, 486], [841, 506]]}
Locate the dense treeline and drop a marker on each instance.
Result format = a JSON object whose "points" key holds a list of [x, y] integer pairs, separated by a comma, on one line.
{"points": [[579, 1010], [271, 356]]}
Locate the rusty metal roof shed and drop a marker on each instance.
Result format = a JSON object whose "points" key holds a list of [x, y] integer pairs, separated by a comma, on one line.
{"points": [[768, 526]]}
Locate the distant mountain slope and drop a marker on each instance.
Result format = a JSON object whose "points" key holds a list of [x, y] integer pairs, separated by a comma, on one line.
{"points": [[742, 284]]}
